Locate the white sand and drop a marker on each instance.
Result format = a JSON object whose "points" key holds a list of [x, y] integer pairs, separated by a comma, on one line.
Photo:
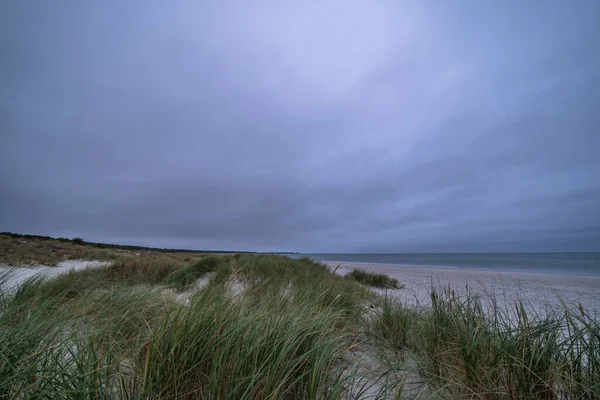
{"points": [[536, 289], [17, 275]]}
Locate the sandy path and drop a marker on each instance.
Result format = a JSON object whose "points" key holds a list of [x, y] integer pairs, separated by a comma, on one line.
{"points": [[536, 289], [14, 276]]}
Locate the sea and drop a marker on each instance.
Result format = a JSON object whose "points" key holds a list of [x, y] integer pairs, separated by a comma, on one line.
{"points": [[554, 263]]}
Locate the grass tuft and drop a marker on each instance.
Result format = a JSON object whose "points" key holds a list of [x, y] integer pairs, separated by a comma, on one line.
{"points": [[188, 275], [373, 279], [465, 349]]}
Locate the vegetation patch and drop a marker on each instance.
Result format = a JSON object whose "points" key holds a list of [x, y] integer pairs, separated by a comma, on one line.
{"points": [[296, 331], [188, 275], [466, 349], [373, 279], [105, 333]]}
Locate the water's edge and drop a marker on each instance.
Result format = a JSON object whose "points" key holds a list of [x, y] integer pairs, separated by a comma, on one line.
{"points": [[550, 263]]}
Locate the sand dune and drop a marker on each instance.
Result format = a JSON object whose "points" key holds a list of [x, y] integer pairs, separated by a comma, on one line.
{"points": [[14, 276]]}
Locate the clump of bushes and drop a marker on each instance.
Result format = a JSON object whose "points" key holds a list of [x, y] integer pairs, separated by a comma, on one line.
{"points": [[373, 279]]}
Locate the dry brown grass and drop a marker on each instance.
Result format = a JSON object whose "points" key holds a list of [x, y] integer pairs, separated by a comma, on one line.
{"points": [[35, 251]]}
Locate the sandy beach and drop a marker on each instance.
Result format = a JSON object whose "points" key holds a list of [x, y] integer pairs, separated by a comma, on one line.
{"points": [[537, 290], [13, 276]]}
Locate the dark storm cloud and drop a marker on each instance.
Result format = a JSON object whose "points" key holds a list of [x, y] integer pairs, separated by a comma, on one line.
{"points": [[320, 126]]}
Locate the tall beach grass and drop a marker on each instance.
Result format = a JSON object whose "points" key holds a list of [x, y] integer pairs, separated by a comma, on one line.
{"points": [[119, 332], [465, 349], [264, 326], [373, 279]]}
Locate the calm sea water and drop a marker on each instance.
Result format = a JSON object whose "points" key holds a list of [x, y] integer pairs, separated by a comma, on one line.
{"points": [[561, 263]]}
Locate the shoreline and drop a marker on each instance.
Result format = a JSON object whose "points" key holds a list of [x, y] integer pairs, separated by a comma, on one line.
{"points": [[537, 290], [457, 268]]}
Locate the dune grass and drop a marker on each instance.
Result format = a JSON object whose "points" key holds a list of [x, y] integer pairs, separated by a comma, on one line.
{"points": [[118, 332], [373, 279], [184, 277], [271, 327], [38, 250], [466, 349], [21, 251], [219, 349]]}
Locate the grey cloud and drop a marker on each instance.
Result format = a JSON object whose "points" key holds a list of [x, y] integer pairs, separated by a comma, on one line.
{"points": [[325, 126]]}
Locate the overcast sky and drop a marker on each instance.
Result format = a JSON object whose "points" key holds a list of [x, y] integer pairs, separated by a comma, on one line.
{"points": [[340, 126]]}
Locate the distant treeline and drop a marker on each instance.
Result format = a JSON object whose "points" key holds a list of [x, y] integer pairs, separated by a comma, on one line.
{"points": [[82, 242]]}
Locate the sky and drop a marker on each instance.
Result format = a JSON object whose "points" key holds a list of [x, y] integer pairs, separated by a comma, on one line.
{"points": [[310, 126]]}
